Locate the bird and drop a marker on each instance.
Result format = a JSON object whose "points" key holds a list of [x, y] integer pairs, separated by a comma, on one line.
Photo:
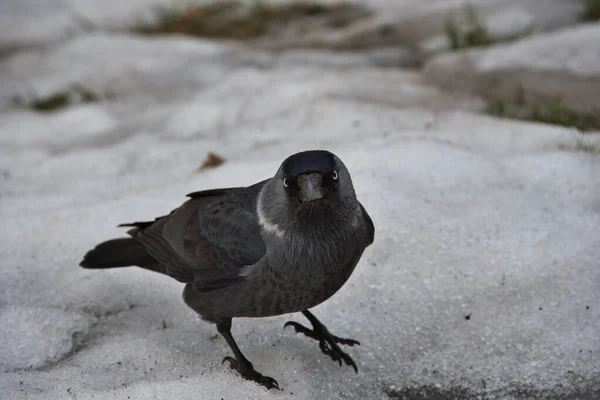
{"points": [[282, 245]]}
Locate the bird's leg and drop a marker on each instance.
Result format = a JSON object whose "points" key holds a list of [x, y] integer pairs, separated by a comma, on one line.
{"points": [[240, 363], [327, 341]]}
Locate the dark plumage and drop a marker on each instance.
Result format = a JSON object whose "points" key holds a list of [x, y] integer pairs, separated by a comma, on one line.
{"points": [[282, 245]]}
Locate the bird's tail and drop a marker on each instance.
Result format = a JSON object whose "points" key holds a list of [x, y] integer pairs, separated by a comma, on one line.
{"points": [[116, 253]]}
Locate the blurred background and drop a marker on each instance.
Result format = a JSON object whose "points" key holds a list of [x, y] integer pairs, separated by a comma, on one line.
{"points": [[472, 132], [532, 60]]}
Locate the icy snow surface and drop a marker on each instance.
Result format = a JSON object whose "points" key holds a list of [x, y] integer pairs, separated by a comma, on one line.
{"points": [[483, 279]]}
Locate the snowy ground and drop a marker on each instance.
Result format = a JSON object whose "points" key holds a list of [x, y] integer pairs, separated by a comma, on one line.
{"points": [[563, 64], [483, 280]]}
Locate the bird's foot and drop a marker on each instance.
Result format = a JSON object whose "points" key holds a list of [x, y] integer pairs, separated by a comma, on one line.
{"points": [[247, 371], [327, 342]]}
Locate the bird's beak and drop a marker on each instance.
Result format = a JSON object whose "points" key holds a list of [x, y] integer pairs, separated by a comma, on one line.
{"points": [[311, 187]]}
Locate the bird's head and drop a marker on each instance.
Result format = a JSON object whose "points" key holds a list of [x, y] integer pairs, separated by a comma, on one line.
{"points": [[312, 186]]}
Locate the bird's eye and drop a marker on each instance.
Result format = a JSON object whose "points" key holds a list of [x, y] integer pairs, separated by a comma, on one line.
{"points": [[334, 175], [285, 182]]}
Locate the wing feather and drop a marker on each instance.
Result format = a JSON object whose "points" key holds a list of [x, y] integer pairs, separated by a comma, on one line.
{"points": [[208, 239]]}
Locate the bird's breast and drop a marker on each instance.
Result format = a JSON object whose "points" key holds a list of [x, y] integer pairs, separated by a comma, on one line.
{"points": [[296, 276], [307, 276]]}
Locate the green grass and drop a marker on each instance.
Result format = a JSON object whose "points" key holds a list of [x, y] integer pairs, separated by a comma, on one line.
{"points": [[583, 146], [245, 20], [591, 11], [548, 112], [587, 147], [473, 32], [75, 94]]}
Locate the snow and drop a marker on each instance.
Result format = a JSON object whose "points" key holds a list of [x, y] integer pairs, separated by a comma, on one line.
{"points": [[420, 26], [30, 23], [40, 74], [33, 337], [475, 217], [575, 50], [54, 129], [563, 64]]}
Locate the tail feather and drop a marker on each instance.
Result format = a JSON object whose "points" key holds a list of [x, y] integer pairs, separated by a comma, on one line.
{"points": [[116, 253]]}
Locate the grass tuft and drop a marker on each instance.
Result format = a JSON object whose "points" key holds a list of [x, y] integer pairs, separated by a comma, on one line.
{"points": [[551, 111], [591, 11], [583, 146], [76, 94], [473, 33]]}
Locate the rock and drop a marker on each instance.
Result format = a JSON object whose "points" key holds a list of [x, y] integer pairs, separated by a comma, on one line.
{"points": [[564, 64]]}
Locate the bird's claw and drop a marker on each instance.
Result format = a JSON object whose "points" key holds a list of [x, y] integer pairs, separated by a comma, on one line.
{"points": [[248, 372], [347, 342], [327, 343], [302, 329], [313, 334], [336, 354]]}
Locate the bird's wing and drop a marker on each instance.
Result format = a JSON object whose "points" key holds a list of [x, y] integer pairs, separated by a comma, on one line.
{"points": [[369, 224], [209, 239]]}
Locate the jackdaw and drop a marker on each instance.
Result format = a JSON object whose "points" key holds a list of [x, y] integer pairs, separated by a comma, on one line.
{"points": [[282, 245]]}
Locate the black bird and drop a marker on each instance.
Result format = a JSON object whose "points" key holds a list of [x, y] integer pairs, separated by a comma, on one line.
{"points": [[282, 245]]}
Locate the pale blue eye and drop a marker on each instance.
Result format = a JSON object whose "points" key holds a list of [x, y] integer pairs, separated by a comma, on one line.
{"points": [[285, 183], [334, 175]]}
